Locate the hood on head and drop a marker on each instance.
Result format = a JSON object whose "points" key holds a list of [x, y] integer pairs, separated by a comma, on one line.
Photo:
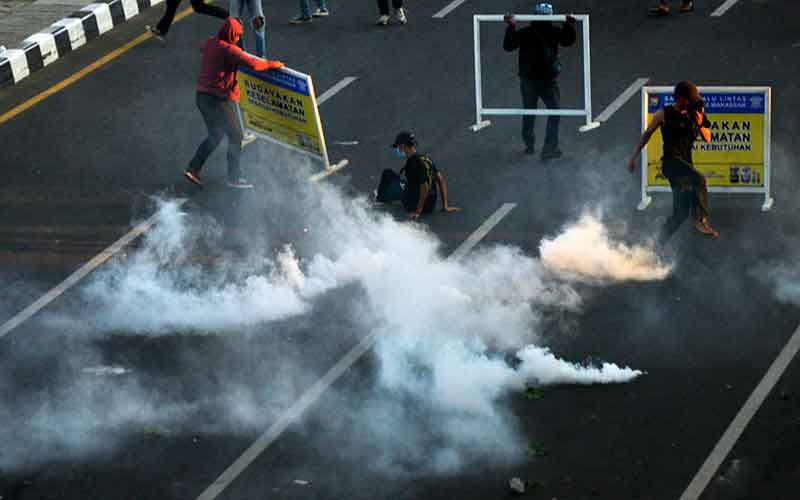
{"points": [[231, 29]]}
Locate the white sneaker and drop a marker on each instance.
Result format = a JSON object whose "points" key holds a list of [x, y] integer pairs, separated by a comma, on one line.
{"points": [[240, 183], [321, 13], [248, 139], [400, 15], [383, 20]]}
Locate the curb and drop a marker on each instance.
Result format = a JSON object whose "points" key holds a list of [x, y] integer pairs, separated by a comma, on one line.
{"points": [[64, 36]]}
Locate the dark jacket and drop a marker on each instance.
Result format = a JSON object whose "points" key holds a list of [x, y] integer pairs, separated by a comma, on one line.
{"points": [[221, 57], [538, 47]]}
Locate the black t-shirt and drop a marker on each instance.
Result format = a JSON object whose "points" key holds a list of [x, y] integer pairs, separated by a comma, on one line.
{"points": [[420, 170], [538, 47], [679, 132]]}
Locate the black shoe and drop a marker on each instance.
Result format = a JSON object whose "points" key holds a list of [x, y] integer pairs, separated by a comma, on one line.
{"points": [[552, 154], [659, 11], [530, 150], [193, 177]]}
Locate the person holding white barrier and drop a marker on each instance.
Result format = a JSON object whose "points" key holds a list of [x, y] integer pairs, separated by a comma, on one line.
{"points": [[539, 67], [680, 124]]}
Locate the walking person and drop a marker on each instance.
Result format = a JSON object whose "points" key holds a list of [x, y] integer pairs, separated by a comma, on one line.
{"points": [[539, 67], [399, 12], [662, 9], [217, 96], [162, 28], [306, 15], [680, 124], [256, 18]]}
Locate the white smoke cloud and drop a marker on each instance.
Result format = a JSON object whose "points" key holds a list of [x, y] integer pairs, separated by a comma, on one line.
{"points": [[444, 327], [583, 252]]}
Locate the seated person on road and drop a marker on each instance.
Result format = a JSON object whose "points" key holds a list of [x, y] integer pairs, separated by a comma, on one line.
{"points": [[418, 190]]}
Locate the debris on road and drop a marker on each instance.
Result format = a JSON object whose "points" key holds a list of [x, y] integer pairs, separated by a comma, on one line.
{"points": [[104, 370], [533, 393], [301, 482], [517, 485], [537, 449]]}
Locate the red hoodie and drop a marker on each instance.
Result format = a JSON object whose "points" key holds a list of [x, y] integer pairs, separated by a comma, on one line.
{"points": [[221, 57]]}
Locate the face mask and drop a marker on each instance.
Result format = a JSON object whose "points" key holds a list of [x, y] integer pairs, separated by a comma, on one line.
{"points": [[399, 152]]}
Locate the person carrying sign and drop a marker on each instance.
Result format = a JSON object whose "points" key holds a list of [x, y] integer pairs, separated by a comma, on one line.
{"points": [[680, 124], [418, 190], [217, 95], [539, 67]]}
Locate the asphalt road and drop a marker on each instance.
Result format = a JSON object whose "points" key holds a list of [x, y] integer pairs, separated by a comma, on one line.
{"points": [[80, 166]]}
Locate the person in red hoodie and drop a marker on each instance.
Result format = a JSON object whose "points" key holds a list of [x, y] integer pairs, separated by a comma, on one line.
{"points": [[217, 95]]}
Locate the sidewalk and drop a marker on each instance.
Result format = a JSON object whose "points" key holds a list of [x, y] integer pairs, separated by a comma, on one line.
{"points": [[37, 32]]}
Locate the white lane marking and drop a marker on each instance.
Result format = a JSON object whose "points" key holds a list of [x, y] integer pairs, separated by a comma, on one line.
{"points": [[482, 231], [722, 9], [344, 82], [622, 99], [313, 394], [97, 261], [737, 427], [450, 8]]}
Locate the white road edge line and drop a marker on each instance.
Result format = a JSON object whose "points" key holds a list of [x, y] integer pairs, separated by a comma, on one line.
{"points": [[97, 261], [313, 394], [344, 82], [722, 9], [739, 423], [450, 8], [622, 99]]}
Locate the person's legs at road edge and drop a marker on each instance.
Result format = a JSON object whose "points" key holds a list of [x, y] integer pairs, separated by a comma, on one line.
{"points": [[530, 99], [166, 20], [201, 7], [551, 96]]}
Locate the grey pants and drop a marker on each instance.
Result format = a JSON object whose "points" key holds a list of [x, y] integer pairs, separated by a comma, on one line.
{"points": [[220, 117]]}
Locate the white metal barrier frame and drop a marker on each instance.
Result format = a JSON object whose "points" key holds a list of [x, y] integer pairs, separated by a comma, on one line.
{"points": [[765, 189], [480, 111]]}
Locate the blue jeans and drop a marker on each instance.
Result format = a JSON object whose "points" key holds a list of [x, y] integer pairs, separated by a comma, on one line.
{"points": [[254, 10], [547, 91], [305, 8]]}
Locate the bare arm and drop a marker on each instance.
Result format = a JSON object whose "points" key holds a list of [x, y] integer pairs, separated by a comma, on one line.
{"points": [[656, 122], [445, 199], [423, 197]]}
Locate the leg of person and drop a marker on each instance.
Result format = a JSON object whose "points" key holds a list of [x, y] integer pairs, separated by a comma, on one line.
{"points": [[700, 210], [209, 107], [305, 13], [551, 95], [686, 6], [530, 100], [322, 8], [162, 28], [259, 26], [399, 11], [234, 133], [201, 7], [682, 194], [383, 9], [390, 187]]}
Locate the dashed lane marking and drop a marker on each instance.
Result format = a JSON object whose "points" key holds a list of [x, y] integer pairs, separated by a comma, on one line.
{"points": [[622, 99], [97, 261], [739, 423], [344, 82], [315, 392], [722, 9], [450, 8]]}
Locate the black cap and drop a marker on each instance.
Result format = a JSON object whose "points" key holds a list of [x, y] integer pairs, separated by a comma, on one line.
{"points": [[405, 139]]}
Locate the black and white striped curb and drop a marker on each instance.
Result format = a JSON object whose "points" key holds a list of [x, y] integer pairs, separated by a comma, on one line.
{"points": [[66, 35]]}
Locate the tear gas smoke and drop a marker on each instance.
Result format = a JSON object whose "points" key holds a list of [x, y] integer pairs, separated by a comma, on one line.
{"points": [[444, 326]]}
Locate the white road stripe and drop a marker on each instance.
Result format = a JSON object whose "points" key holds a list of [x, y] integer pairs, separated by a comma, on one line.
{"points": [[722, 9], [622, 99], [737, 427], [450, 8], [315, 392], [344, 82], [97, 261]]}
